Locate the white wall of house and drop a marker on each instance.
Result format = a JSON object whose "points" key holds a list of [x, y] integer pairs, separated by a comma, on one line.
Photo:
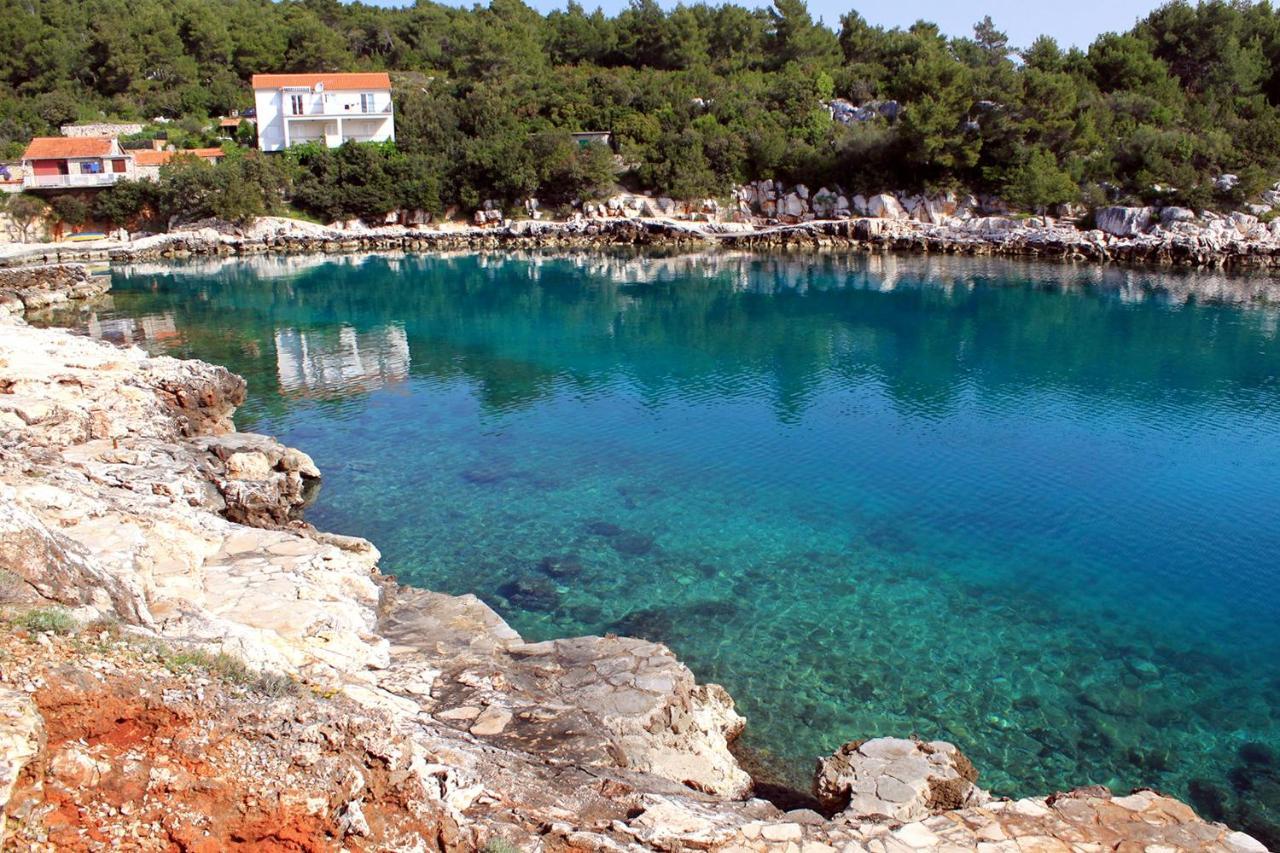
{"points": [[296, 114]]}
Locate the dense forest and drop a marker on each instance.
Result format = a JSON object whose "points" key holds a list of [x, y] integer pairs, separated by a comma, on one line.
{"points": [[698, 98]]}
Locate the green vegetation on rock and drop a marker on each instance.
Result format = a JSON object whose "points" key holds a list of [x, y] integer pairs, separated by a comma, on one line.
{"points": [[49, 620]]}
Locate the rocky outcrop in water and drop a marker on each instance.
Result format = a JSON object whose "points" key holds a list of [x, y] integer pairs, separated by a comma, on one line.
{"points": [[411, 718], [33, 288]]}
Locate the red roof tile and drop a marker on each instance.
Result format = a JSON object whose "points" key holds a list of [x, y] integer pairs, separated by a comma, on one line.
{"points": [[60, 147], [147, 157], [365, 80]]}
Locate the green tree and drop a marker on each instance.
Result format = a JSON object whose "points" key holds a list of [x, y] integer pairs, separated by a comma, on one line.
{"points": [[125, 201], [1038, 183], [67, 210], [25, 211]]}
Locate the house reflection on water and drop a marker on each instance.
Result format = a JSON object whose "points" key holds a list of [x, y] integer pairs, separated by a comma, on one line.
{"points": [[334, 363], [155, 329]]}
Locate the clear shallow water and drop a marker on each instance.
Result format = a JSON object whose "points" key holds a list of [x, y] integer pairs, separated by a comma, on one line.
{"points": [[1032, 510]]}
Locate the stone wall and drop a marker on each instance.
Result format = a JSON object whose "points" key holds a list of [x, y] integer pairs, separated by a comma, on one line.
{"points": [[101, 129]]}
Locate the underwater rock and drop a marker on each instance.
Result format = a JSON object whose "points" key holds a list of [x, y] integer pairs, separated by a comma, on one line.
{"points": [[561, 565], [889, 537], [1257, 754], [1208, 799], [531, 593], [632, 543], [905, 780], [1261, 820], [606, 529], [651, 623], [485, 475]]}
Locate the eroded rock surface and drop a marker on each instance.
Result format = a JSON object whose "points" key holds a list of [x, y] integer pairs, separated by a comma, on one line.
{"points": [[905, 780], [592, 701]]}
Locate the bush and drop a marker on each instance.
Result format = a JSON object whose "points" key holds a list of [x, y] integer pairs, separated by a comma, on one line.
{"points": [[1039, 183], [69, 210], [52, 620], [239, 188], [274, 685], [126, 201], [25, 211], [229, 669]]}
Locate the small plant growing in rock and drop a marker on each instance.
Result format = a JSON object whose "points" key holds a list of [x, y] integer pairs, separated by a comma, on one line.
{"points": [[275, 685], [100, 635], [50, 620], [221, 665], [231, 670], [500, 845]]}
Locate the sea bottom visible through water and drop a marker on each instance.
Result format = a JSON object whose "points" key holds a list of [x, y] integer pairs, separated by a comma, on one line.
{"points": [[1032, 510]]}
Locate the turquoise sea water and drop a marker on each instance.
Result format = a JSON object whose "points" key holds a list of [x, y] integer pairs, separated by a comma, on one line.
{"points": [[1033, 510]]}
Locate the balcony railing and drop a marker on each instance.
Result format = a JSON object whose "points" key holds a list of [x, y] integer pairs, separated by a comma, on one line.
{"points": [[102, 179], [319, 111]]}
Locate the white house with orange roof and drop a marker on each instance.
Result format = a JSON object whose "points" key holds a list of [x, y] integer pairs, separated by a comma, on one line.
{"points": [[328, 108]]}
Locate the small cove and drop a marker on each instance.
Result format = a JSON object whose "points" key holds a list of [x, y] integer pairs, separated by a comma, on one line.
{"points": [[1030, 509]]}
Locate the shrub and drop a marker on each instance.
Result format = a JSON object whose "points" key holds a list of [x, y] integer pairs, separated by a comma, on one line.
{"points": [[25, 210], [51, 620], [1039, 183], [275, 685], [229, 669]]}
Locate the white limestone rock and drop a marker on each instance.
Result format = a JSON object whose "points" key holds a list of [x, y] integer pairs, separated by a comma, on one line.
{"points": [[794, 205], [1123, 221], [906, 780], [1170, 215], [22, 739], [885, 206]]}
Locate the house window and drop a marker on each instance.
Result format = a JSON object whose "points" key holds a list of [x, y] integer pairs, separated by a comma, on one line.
{"points": [[295, 104], [366, 102], [117, 165]]}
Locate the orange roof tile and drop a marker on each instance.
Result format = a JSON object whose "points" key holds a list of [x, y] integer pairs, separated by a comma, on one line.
{"points": [[59, 147], [147, 157], [365, 80]]}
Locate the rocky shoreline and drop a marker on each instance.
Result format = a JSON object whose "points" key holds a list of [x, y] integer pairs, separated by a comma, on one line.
{"points": [[1239, 242], [130, 504]]}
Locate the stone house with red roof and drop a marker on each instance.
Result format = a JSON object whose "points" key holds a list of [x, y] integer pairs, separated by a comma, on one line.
{"points": [[61, 163]]}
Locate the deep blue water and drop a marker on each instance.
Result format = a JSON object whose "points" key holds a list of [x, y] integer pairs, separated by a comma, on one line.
{"points": [[1031, 510]]}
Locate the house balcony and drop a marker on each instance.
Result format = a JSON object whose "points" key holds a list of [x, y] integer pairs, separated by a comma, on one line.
{"points": [[334, 130], [54, 182], [319, 111]]}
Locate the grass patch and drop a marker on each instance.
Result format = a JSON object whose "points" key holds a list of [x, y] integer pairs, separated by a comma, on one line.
{"points": [[51, 620], [229, 669], [274, 685], [500, 845], [221, 665]]}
